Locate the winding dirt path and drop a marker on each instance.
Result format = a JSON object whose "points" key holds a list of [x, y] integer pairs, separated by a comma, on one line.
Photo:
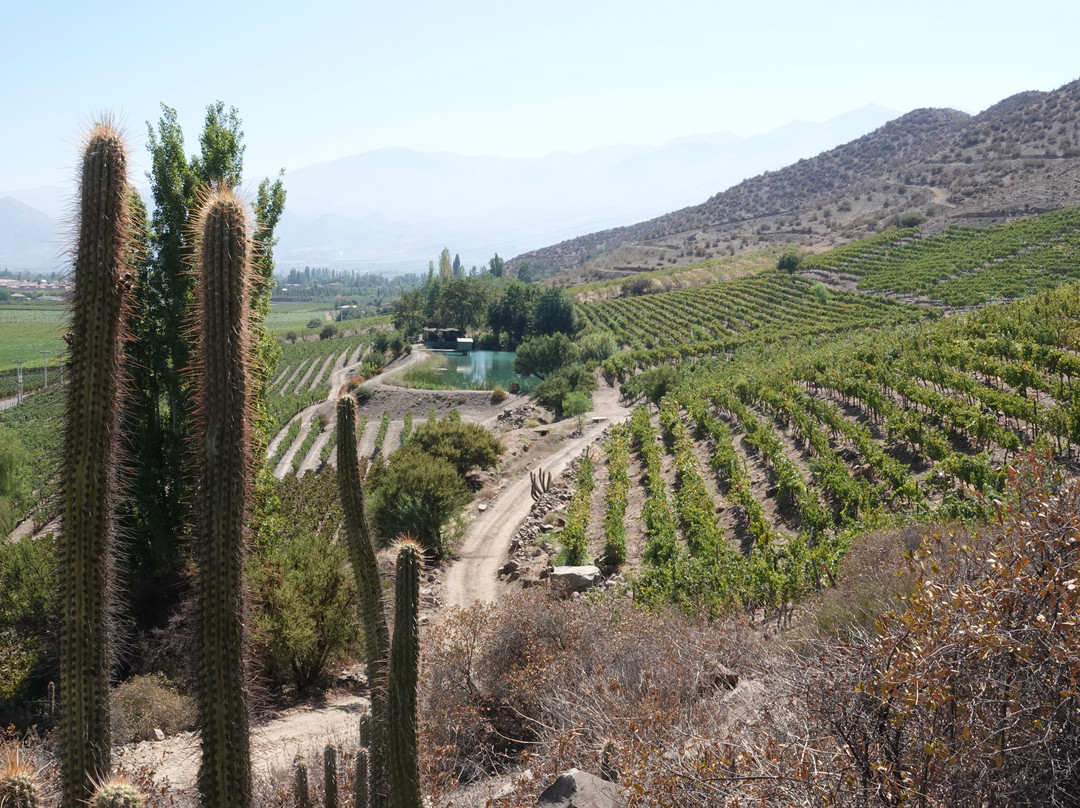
{"points": [[474, 574]]}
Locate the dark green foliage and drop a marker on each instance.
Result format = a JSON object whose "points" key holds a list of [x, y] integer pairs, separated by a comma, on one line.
{"points": [[89, 465], [417, 494], [28, 618], [652, 384], [553, 312], [157, 423], [497, 266], [467, 446], [552, 392], [508, 314], [368, 586], [13, 486], [305, 599], [543, 355], [404, 669], [223, 441], [789, 261]]}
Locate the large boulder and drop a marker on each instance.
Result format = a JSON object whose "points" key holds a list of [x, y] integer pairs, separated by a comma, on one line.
{"points": [[578, 789], [576, 579]]}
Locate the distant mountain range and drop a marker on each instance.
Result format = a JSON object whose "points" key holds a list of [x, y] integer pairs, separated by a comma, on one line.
{"points": [[395, 209], [1017, 158]]}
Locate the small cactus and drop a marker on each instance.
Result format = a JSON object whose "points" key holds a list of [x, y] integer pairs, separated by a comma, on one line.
{"points": [[404, 666], [360, 780], [330, 796], [300, 783], [541, 483], [608, 770], [116, 793], [19, 786]]}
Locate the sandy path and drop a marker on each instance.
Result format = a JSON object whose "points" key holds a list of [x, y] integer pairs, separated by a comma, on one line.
{"points": [[474, 574], [274, 743]]}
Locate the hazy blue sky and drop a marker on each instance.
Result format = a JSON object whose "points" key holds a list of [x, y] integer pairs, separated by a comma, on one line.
{"points": [[322, 79]]}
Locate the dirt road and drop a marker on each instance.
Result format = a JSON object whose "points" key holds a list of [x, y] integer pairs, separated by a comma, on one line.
{"points": [[474, 574]]}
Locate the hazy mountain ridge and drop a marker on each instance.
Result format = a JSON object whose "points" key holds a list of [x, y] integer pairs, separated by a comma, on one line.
{"points": [[29, 237], [1018, 157], [395, 209]]}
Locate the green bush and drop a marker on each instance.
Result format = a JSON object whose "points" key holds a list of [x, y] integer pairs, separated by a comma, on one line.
{"points": [[28, 630], [145, 703], [305, 601], [553, 390], [466, 446], [416, 494]]}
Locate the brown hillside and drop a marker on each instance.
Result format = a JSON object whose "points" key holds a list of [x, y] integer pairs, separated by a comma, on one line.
{"points": [[1019, 157]]}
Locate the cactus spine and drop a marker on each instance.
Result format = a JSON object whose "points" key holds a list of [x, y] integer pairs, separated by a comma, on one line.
{"points": [[223, 449], [360, 780], [404, 667], [368, 585], [300, 783], [19, 787], [88, 470], [330, 798], [116, 793]]}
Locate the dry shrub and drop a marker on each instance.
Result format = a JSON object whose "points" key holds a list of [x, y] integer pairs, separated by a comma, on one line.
{"points": [[547, 682], [145, 703]]}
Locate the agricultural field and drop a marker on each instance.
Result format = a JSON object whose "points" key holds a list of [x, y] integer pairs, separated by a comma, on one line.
{"points": [[303, 373], [720, 318], [27, 329], [964, 266], [295, 317], [755, 475]]}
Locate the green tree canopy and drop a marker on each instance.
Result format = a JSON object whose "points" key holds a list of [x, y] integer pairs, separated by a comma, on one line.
{"points": [[543, 355], [552, 312], [497, 266]]}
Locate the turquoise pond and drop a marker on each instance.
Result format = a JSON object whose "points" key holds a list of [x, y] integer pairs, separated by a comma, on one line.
{"points": [[483, 370]]}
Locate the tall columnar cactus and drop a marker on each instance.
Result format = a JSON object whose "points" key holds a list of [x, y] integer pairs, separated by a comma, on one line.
{"points": [[368, 585], [404, 667], [88, 469], [330, 796], [224, 454], [360, 780]]}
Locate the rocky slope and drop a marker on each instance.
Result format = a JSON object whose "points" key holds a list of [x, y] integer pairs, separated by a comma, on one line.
{"points": [[1019, 157]]}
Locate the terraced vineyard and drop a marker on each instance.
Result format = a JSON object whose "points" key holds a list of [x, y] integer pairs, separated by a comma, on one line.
{"points": [[302, 375], [964, 266], [756, 474], [723, 317]]}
